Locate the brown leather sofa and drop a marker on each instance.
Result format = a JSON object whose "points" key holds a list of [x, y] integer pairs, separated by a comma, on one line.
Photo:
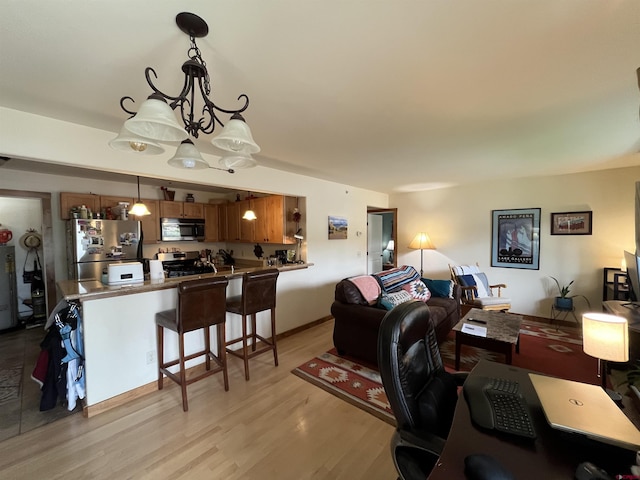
{"points": [[355, 331]]}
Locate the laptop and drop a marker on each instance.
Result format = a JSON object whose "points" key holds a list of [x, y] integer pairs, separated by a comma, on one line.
{"points": [[584, 409]]}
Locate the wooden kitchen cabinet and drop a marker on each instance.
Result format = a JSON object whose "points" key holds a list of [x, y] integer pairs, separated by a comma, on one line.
{"points": [[107, 201], [273, 224], [170, 209], [233, 221], [68, 200], [247, 227], [150, 223], [211, 223], [192, 210]]}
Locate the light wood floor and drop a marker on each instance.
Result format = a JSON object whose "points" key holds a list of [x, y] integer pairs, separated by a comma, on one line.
{"points": [[276, 426]]}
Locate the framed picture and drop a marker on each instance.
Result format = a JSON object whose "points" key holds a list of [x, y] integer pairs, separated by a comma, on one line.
{"points": [[338, 228], [515, 238], [571, 223]]}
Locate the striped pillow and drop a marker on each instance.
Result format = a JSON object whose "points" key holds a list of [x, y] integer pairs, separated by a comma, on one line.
{"points": [[393, 280]]}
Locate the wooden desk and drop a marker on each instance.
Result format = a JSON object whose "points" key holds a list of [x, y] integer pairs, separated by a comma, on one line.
{"points": [[553, 455]]}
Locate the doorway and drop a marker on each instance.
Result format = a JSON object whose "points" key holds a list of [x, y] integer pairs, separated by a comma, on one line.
{"points": [[42, 201], [389, 218]]}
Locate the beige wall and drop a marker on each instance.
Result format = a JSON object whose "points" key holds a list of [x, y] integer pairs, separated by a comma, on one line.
{"points": [[304, 295], [459, 222]]}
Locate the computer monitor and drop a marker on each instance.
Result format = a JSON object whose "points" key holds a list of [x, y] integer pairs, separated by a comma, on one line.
{"points": [[633, 274]]}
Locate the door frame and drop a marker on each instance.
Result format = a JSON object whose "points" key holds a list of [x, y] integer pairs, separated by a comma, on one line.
{"points": [[47, 240], [394, 229]]}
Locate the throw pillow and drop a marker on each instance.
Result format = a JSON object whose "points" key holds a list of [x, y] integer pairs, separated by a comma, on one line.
{"points": [[390, 300], [417, 290], [439, 288]]}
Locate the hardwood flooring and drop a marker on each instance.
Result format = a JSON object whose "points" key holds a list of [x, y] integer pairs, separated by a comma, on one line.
{"points": [[275, 426]]}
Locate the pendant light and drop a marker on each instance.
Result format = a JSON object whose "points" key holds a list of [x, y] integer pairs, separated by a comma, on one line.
{"points": [[249, 214], [139, 209]]}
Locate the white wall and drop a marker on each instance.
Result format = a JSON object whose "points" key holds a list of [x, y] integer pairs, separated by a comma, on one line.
{"points": [[304, 296], [458, 221]]}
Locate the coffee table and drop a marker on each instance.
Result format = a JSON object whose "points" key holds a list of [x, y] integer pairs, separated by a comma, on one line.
{"points": [[503, 332]]}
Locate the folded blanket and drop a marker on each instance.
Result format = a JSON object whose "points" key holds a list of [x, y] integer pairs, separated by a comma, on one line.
{"points": [[368, 286]]}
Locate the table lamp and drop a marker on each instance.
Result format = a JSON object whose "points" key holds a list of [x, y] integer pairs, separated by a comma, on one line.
{"points": [[605, 337], [390, 247], [421, 242]]}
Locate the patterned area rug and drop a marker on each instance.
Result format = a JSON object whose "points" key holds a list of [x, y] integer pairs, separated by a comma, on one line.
{"points": [[543, 348], [359, 385]]}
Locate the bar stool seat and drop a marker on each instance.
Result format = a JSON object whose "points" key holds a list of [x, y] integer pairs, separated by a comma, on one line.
{"points": [[258, 294], [201, 304]]}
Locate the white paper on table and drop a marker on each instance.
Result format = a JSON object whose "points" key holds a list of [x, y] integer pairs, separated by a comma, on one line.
{"points": [[474, 330]]}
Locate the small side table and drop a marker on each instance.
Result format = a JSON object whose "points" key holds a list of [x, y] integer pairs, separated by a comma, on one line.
{"points": [[562, 313]]}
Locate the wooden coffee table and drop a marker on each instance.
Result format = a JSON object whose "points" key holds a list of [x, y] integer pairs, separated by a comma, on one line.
{"points": [[503, 332]]}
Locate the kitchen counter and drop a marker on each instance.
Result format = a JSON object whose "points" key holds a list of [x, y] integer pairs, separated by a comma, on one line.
{"points": [[72, 290], [119, 330]]}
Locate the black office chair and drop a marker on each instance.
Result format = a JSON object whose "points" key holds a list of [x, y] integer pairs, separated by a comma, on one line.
{"points": [[421, 393]]}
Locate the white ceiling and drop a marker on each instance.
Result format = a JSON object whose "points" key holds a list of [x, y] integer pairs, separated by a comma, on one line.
{"points": [[385, 95]]}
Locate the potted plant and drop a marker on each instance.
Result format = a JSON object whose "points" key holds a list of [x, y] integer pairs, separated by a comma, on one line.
{"points": [[565, 301]]}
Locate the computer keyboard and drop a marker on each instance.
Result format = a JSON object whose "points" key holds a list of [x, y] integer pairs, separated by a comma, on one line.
{"points": [[495, 404]]}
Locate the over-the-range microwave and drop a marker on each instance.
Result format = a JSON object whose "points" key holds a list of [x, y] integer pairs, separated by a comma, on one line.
{"points": [[181, 229]]}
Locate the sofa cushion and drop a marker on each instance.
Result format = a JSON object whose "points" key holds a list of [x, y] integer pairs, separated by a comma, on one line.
{"points": [[392, 280], [418, 290], [439, 288], [393, 299]]}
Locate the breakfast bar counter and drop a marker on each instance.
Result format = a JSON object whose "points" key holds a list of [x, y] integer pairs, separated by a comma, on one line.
{"points": [[119, 331], [72, 290]]}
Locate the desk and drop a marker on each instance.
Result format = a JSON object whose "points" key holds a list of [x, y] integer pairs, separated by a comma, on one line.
{"points": [[553, 455]]}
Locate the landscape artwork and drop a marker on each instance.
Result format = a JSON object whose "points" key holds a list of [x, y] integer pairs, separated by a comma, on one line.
{"points": [[338, 227]]}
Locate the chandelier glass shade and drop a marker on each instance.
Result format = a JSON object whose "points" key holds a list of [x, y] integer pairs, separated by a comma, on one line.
{"points": [[188, 156], [240, 160], [156, 118], [130, 142]]}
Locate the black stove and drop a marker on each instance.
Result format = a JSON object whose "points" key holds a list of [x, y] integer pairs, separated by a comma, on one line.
{"points": [[182, 264]]}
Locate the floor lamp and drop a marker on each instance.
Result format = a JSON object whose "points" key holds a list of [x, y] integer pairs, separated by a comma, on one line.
{"points": [[421, 242], [605, 337]]}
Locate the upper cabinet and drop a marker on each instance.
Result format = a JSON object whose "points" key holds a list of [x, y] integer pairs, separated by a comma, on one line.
{"points": [[68, 200], [272, 225], [211, 223], [170, 209], [107, 201]]}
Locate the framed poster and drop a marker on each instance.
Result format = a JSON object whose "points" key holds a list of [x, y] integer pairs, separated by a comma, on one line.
{"points": [[338, 228], [515, 238], [571, 223]]}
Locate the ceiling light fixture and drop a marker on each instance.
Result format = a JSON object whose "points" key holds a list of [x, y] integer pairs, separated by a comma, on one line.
{"points": [[139, 209], [249, 214], [130, 142], [155, 120]]}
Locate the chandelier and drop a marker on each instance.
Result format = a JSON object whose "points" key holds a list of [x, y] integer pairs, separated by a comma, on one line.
{"points": [[155, 121]]}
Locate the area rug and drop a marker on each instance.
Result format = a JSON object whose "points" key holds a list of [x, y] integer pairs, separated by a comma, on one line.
{"points": [[543, 348], [351, 381]]}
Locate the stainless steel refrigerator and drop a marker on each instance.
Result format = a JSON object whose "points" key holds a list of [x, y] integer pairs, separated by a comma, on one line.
{"points": [[94, 244], [8, 288]]}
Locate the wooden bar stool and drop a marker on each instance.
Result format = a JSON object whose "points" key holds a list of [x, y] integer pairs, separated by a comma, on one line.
{"points": [[258, 294], [201, 304]]}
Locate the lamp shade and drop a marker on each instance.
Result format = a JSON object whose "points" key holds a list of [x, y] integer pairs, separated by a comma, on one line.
{"points": [[605, 337], [236, 137], [422, 242], [188, 156], [156, 120], [239, 160], [391, 245], [130, 142], [249, 215], [139, 210]]}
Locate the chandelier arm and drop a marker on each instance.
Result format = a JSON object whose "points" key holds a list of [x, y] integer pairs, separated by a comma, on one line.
{"points": [[230, 170], [157, 90], [124, 108]]}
